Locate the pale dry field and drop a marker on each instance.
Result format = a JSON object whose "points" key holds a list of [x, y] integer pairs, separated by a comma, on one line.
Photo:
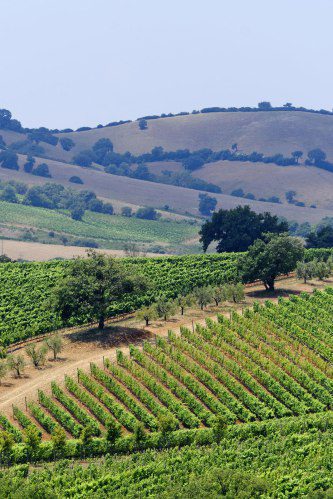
{"points": [[41, 252]]}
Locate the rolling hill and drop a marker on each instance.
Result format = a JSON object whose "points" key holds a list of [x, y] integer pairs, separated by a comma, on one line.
{"points": [[269, 132]]}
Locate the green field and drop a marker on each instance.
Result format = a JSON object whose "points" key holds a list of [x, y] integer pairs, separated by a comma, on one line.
{"points": [[109, 231], [267, 373], [291, 459], [26, 288]]}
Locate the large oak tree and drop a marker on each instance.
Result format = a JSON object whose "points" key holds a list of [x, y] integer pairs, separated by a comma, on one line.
{"points": [[238, 228]]}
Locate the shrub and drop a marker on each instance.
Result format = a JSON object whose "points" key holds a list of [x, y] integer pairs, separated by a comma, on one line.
{"points": [[75, 180], [42, 170]]}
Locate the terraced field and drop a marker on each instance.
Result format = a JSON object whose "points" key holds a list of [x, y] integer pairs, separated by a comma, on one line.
{"points": [[271, 362]]}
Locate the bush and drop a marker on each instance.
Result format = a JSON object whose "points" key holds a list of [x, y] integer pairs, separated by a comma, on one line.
{"points": [[8, 159], [67, 144], [42, 170], [75, 180], [126, 211], [147, 213]]}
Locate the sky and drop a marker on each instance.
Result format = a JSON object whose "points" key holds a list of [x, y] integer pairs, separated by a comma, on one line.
{"points": [[71, 63]]}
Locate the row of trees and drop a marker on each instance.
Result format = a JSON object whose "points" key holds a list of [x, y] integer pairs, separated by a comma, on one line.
{"points": [[202, 296], [36, 353], [314, 269]]}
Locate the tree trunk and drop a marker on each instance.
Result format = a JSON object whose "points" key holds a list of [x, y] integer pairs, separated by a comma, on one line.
{"points": [[217, 302], [182, 310], [202, 306], [265, 284], [147, 321], [101, 322], [270, 283]]}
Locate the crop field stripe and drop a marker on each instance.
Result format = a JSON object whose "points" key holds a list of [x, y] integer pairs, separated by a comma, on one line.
{"points": [[88, 400], [180, 390], [6, 425], [60, 414], [43, 418], [238, 390], [133, 405], [258, 339], [178, 409], [267, 360], [272, 405], [297, 352], [74, 409], [24, 420], [290, 387], [138, 389], [227, 342], [224, 396], [294, 329], [205, 395], [125, 418]]}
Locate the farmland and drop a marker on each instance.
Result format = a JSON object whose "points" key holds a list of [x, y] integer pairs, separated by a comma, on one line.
{"points": [[26, 288], [107, 231], [275, 460], [271, 362]]}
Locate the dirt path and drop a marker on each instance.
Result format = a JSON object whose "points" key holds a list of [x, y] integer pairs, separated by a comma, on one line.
{"points": [[89, 345]]}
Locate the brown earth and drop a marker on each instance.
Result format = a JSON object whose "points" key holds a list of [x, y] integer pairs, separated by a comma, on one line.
{"points": [[85, 345], [40, 252]]}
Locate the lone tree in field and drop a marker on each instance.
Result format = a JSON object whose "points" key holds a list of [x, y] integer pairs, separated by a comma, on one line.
{"points": [[265, 260], [184, 301], [54, 343], [304, 270], [91, 285], [165, 308], [238, 228]]}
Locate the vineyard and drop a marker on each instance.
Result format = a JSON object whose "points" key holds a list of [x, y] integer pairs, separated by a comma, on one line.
{"points": [[27, 287], [271, 362], [292, 459], [108, 231]]}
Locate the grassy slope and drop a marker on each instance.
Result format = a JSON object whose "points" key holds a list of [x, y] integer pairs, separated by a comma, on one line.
{"points": [[136, 192], [267, 132], [109, 231]]}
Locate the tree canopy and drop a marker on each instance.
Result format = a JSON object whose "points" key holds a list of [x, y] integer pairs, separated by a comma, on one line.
{"points": [[266, 259], [323, 238], [90, 287], [238, 228]]}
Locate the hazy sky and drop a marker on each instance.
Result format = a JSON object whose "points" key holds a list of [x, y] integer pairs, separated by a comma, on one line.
{"points": [[69, 63]]}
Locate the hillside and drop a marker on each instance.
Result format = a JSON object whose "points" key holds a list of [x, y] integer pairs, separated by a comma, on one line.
{"points": [[131, 191], [108, 231], [266, 132]]}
